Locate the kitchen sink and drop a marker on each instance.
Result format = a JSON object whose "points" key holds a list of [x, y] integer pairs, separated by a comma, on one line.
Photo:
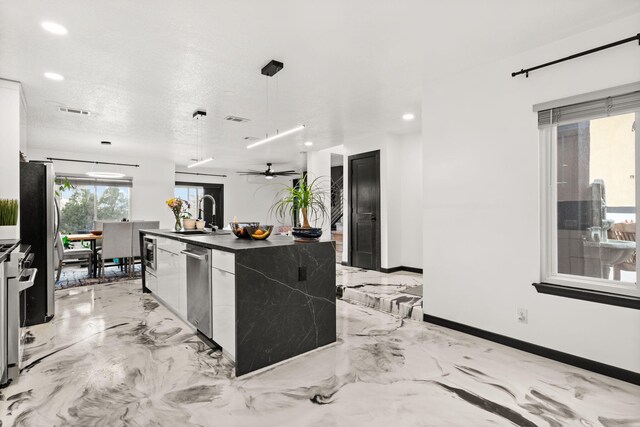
{"points": [[198, 232]]}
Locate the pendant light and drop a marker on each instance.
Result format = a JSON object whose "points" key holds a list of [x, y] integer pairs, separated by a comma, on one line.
{"points": [[103, 174], [270, 70], [199, 115]]}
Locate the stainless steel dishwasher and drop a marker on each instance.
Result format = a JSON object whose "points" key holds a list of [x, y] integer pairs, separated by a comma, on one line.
{"points": [[199, 288]]}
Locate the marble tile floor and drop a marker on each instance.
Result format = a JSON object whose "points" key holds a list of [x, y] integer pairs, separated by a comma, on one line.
{"points": [[384, 292], [74, 275], [113, 356]]}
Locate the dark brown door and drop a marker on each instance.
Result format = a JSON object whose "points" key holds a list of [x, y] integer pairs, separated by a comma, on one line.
{"points": [[364, 201]]}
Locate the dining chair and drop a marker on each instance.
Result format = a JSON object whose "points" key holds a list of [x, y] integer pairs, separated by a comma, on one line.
{"points": [[74, 253], [624, 231], [116, 243], [135, 238]]}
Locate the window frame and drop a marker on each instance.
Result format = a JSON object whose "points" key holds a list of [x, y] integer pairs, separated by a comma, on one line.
{"points": [[549, 217], [92, 186], [189, 187]]}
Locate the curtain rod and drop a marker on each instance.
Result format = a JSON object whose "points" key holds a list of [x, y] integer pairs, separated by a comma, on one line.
{"points": [[201, 174], [92, 162], [577, 55]]}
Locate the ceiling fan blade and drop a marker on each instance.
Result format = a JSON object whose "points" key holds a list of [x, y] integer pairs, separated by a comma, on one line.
{"points": [[282, 172]]}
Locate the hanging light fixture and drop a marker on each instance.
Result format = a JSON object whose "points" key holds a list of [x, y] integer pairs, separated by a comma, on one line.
{"points": [[200, 162], [198, 115], [103, 174], [270, 70], [276, 136]]}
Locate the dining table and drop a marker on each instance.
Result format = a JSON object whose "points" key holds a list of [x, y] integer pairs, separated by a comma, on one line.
{"points": [[92, 239]]}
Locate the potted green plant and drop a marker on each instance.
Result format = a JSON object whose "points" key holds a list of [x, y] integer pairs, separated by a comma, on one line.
{"points": [[307, 197], [8, 218]]}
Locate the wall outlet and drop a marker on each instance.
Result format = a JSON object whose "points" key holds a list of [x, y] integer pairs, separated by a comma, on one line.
{"points": [[523, 316]]}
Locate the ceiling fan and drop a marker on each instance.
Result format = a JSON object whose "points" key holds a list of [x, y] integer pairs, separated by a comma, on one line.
{"points": [[268, 174]]}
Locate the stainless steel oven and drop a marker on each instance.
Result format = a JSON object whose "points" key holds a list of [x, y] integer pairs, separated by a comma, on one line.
{"points": [[149, 253], [15, 277]]}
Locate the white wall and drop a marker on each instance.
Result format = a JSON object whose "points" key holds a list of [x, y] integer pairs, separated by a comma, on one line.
{"points": [[400, 196], [319, 167], [12, 135], [248, 198], [410, 169], [153, 181], [481, 192]]}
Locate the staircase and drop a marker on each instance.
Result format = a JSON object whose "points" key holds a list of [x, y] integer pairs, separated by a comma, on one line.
{"points": [[337, 201]]}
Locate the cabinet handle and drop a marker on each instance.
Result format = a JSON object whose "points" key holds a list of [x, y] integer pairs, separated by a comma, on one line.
{"points": [[196, 256]]}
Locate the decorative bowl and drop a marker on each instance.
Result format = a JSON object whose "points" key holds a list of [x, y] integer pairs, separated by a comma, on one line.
{"points": [[261, 232], [239, 228], [189, 224], [97, 232], [306, 234]]}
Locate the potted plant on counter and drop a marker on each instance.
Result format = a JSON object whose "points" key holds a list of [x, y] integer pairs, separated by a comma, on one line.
{"points": [[8, 218], [309, 198], [179, 207]]}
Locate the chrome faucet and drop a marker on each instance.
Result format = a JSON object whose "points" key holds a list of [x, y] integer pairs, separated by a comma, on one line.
{"points": [[213, 211]]}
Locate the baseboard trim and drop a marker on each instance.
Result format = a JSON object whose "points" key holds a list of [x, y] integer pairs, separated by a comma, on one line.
{"points": [[559, 356], [401, 268]]}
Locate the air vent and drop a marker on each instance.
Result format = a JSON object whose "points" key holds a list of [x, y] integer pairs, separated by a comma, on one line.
{"points": [[237, 119], [251, 138], [74, 111]]}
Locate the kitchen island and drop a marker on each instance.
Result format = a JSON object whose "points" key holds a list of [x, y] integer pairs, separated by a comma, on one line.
{"points": [[261, 302]]}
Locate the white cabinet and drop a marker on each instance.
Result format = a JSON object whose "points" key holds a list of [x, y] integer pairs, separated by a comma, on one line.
{"points": [[224, 310], [172, 272], [180, 265], [222, 260], [223, 301], [163, 270], [151, 282]]}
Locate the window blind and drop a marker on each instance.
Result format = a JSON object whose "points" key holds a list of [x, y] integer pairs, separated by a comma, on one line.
{"points": [[594, 109], [87, 180]]}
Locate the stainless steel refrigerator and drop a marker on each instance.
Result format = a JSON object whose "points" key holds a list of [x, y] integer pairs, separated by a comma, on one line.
{"points": [[39, 227]]}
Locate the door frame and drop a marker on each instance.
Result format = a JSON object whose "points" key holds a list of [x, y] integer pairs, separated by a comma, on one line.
{"points": [[378, 248], [210, 185]]}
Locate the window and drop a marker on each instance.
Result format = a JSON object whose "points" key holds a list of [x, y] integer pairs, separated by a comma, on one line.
{"points": [[192, 195], [93, 200], [590, 194]]}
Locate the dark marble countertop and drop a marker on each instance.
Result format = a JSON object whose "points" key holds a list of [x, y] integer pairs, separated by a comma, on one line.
{"points": [[5, 254], [228, 242]]}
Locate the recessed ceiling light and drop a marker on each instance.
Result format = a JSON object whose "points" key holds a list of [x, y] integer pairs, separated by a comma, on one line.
{"points": [[54, 76], [54, 28], [308, 143], [408, 116]]}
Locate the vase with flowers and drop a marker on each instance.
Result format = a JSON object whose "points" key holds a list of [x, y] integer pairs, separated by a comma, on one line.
{"points": [[180, 209]]}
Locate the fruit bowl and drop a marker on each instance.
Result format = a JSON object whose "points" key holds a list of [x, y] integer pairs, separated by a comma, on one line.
{"points": [[240, 228], [96, 232], [260, 232]]}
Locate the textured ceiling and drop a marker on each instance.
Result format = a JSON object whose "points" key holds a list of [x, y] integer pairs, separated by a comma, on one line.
{"points": [[350, 67]]}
